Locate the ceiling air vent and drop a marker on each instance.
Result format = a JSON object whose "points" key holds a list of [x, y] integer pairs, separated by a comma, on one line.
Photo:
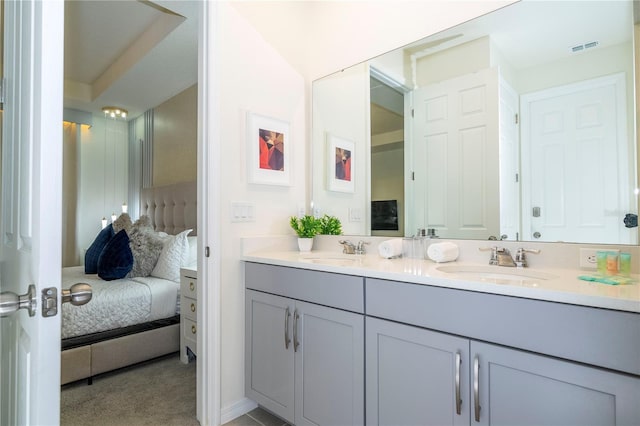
{"points": [[581, 47]]}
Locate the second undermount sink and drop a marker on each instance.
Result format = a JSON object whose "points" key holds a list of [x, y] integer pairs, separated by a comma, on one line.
{"points": [[497, 274]]}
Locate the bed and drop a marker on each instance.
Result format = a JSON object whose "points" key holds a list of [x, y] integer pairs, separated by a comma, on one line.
{"points": [[135, 319]]}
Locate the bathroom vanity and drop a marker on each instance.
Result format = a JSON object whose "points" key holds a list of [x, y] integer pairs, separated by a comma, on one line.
{"points": [[334, 339]]}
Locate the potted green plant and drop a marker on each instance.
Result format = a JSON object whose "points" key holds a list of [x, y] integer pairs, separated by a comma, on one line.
{"points": [[306, 227], [330, 225]]}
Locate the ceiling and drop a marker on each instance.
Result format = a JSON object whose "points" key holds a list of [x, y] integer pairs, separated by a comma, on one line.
{"points": [[128, 53]]}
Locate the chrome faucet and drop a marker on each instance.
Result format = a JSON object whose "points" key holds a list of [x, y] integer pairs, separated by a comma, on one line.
{"points": [[360, 249], [521, 260], [347, 247], [501, 256], [504, 257]]}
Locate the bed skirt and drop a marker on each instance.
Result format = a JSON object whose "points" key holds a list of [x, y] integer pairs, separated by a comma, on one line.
{"points": [[86, 356]]}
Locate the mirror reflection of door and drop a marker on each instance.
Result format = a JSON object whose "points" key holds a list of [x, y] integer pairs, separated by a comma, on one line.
{"points": [[576, 183], [387, 156], [455, 145]]}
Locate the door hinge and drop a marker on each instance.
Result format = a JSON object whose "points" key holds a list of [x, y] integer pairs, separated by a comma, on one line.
{"points": [[206, 251], [517, 118]]}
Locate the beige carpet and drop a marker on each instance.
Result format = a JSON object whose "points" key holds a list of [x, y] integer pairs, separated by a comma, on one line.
{"points": [[159, 392]]}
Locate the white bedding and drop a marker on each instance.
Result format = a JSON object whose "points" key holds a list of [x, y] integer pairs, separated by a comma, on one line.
{"points": [[117, 303]]}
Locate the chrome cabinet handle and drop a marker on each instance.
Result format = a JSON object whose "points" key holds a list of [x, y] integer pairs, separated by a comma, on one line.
{"points": [[296, 343], [458, 399], [287, 314], [476, 392]]}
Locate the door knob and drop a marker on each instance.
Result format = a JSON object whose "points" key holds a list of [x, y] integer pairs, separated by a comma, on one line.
{"points": [[537, 234], [10, 302], [78, 294]]}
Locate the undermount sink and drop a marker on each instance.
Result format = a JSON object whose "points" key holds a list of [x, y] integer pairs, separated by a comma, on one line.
{"points": [[336, 260], [496, 274]]}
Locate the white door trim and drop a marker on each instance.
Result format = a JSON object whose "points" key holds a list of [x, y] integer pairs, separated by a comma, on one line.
{"points": [[208, 366]]}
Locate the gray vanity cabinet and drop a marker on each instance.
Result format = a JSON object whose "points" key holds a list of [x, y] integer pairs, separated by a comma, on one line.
{"points": [[415, 376], [304, 361], [413, 362], [517, 387]]}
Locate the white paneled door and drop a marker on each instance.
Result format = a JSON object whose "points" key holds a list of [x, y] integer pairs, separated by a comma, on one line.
{"points": [[576, 185], [30, 213], [455, 161]]}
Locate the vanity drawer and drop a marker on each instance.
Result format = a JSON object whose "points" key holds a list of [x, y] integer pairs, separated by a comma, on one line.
{"points": [[335, 290], [601, 337]]}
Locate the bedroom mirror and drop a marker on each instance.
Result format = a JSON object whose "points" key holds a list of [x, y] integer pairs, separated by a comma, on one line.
{"points": [[518, 125]]}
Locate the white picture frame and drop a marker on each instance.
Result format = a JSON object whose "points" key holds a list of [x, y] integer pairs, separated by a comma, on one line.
{"points": [[269, 150], [340, 164]]}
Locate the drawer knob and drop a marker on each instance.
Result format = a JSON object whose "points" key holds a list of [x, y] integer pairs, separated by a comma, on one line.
{"points": [[193, 329], [192, 286], [193, 307]]}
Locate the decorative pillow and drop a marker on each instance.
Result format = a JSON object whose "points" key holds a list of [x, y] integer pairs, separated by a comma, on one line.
{"points": [[116, 259], [173, 256], [146, 246], [122, 222], [93, 252], [192, 256]]}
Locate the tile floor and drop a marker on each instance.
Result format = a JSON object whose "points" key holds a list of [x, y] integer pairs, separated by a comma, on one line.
{"points": [[257, 417]]}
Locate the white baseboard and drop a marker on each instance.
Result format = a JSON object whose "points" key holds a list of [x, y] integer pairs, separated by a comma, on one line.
{"points": [[236, 409]]}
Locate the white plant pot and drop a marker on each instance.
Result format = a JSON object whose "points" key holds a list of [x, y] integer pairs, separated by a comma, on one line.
{"points": [[305, 244]]}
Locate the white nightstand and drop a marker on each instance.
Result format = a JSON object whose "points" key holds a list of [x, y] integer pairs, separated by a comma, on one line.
{"points": [[188, 312]]}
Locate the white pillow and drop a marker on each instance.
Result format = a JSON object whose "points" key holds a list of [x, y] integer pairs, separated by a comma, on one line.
{"points": [[174, 253], [192, 257]]}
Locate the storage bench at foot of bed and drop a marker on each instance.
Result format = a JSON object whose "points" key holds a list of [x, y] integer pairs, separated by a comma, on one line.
{"points": [[84, 362]]}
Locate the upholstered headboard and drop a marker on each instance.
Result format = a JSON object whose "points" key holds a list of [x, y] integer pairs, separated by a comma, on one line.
{"points": [[172, 208]]}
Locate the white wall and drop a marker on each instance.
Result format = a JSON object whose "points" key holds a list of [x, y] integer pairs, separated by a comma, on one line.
{"points": [[103, 177], [251, 76]]}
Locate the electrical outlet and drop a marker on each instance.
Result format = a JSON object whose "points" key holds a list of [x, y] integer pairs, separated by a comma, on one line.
{"points": [[588, 257]]}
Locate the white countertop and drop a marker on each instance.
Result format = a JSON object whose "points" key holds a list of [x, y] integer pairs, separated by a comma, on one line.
{"points": [[554, 285]]}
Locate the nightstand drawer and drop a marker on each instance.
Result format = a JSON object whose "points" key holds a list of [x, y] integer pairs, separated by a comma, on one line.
{"points": [[189, 287], [189, 308], [190, 333]]}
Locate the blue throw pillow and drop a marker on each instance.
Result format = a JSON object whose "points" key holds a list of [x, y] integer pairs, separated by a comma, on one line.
{"points": [[116, 260], [93, 252]]}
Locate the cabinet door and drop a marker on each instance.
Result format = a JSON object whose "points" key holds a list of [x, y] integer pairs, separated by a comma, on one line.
{"points": [[268, 361], [520, 388], [415, 376], [329, 366]]}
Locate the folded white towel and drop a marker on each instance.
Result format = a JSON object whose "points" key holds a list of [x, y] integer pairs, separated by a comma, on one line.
{"points": [[443, 252], [390, 248]]}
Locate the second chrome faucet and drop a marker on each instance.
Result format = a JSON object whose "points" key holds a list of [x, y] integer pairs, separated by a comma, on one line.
{"points": [[501, 256]]}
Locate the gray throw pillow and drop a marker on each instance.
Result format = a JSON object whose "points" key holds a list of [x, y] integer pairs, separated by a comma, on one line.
{"points": [[146, 246], [123, 222]]}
